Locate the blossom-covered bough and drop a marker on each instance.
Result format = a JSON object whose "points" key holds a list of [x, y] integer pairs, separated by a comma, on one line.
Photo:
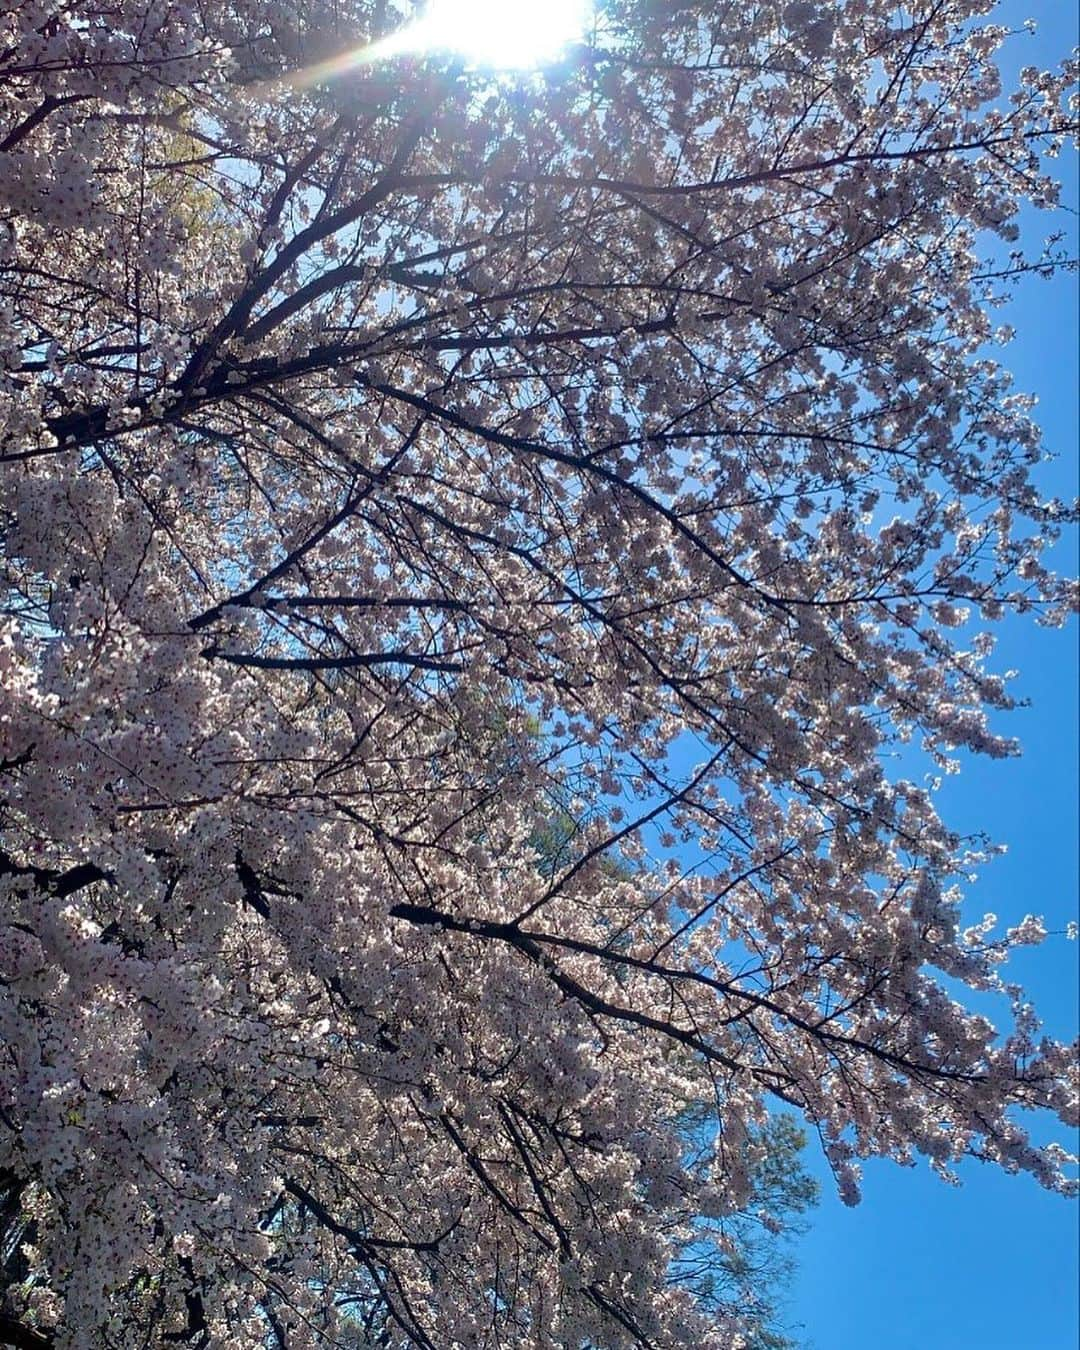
{"points": [[387, 461]]}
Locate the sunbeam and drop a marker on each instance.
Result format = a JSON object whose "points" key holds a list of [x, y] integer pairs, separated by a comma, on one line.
{"points": [[489, 33]]}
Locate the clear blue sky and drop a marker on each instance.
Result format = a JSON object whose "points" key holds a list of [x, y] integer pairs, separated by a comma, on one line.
{"points": [[992, 1265]]}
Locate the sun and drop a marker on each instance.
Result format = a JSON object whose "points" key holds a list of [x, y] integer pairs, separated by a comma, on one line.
{"points": [[494, 34], [502, 34]]}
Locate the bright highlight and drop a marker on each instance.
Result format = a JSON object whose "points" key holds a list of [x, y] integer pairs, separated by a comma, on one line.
{"points": [[498, 34]]}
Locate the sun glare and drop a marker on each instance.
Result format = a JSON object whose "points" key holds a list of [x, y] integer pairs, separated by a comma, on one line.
{"points": [[498, 33]]}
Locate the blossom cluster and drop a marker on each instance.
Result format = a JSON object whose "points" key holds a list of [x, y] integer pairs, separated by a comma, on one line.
{"points": [[471, 550]]}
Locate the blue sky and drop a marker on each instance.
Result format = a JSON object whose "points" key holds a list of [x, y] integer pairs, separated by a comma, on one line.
{"points": [[991, 1265]]}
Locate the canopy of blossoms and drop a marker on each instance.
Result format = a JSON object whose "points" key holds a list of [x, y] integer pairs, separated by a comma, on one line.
{"points": [[392, 463]]}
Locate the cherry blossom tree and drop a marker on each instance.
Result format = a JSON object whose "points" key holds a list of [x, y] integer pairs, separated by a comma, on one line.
{"points": [[388, 460]]}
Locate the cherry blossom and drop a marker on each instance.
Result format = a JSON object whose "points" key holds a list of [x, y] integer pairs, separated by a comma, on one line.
{"points": [[394, 463]]}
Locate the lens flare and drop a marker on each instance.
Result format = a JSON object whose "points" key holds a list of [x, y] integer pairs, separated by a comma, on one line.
{"points": [[495, 34], [500, 34]]}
